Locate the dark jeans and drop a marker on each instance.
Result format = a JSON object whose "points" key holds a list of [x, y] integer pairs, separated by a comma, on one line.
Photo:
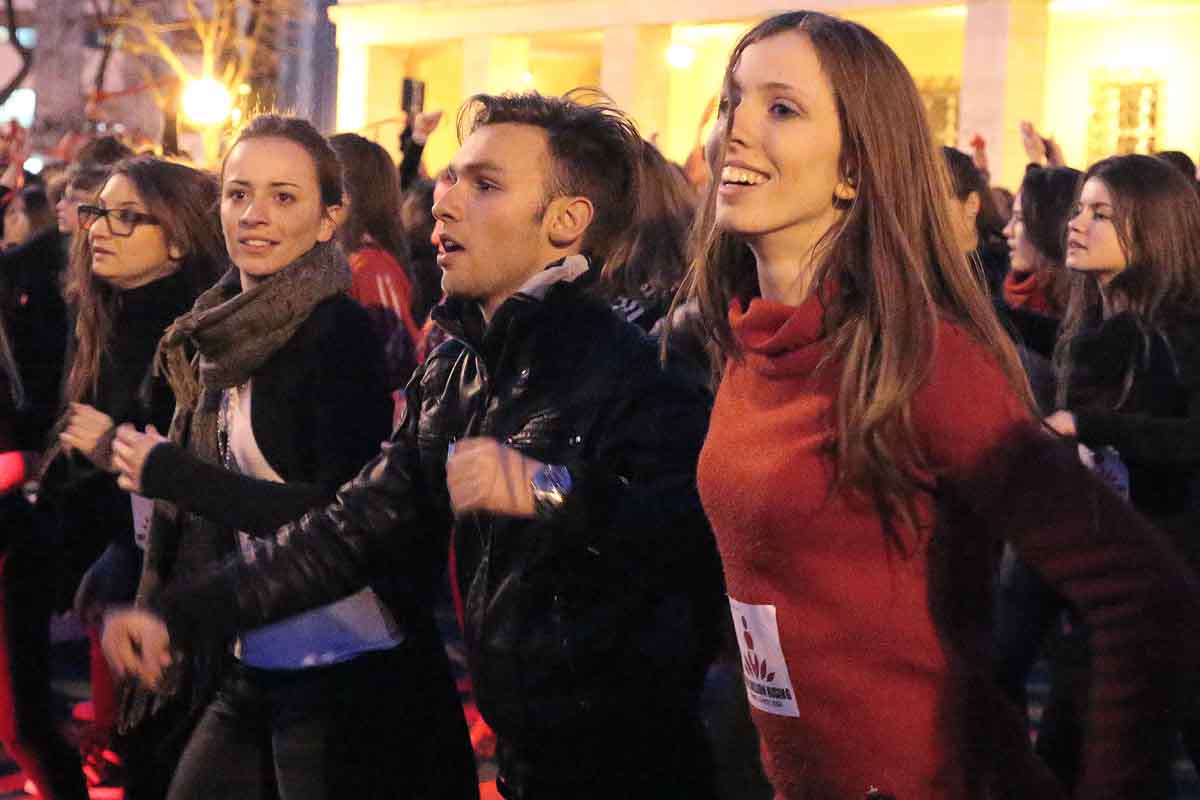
{"points": [[372, 727], [27, 582]]}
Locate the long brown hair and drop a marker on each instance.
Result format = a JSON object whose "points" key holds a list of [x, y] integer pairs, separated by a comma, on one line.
{"points": [[369, 177], [184, 200], [651, 257], [890, 267], [1156, 213]]}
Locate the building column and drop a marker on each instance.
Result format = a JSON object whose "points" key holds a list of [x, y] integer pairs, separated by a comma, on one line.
{"points": [[1004, 64], [495, 64], [634, 73], [352, 84]]}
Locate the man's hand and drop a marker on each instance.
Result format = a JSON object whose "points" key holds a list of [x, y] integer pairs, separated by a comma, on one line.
{"points": [[130, 451], [484, 475], [89, 431], [1062, 423], [136, 643], [424, 124]]}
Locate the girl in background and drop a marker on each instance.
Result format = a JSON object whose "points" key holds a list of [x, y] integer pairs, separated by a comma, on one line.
{"points": [[374, 242], [150, 246], [1129, 354]]}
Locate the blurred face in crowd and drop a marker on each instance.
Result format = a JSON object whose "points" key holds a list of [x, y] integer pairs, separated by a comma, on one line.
{"points": [[1092, 242], [963, 214], [67, 209], [782, 170], [17, 226], [271, 209], [127, 261], [492, 222], [1023, 255], [440, 187]]}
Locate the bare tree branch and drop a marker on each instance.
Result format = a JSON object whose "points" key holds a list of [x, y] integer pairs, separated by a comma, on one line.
{"points": [[25, 53]]}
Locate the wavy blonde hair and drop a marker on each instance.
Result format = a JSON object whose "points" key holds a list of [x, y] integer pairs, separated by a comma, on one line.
{"points": [[890, 267]]}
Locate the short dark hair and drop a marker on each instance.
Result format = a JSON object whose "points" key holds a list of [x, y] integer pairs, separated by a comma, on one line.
{"points": [[1180, 161], [94, 163], [104, 150], [594, 146], [301, 132]]}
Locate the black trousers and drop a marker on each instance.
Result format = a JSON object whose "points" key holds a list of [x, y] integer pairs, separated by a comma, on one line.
{"points": [[373, 727], [27, 581]]}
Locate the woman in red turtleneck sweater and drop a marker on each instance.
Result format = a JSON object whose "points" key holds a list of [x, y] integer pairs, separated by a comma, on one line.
{"points": [[871, 441]]}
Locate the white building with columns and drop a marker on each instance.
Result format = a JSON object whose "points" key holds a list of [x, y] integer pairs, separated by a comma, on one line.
{"points": [[1101, 76]]}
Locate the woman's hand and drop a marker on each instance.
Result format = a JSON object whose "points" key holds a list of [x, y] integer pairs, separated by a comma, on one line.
{"points": [[130, 451], [90, 432], [1035, 146], [1062, 423], [136, 642]]}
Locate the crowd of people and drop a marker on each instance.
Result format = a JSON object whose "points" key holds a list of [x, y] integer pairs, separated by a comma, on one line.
{"points": [[837, 441]]}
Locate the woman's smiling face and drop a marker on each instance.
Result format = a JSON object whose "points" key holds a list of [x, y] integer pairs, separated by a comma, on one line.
{"points": [[782, 166]]}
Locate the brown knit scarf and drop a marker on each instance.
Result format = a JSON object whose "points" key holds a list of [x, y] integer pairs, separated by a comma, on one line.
{"points": [[233, 333]]}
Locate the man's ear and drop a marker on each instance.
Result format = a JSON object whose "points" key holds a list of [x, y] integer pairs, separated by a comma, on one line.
{"points": [[175, 252], [567, 219], [331, 220]]}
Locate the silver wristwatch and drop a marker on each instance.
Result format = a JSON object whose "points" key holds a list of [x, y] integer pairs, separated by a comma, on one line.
{"points": [[551, 484]]}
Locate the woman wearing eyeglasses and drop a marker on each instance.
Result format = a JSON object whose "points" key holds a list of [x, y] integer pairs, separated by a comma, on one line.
{"points": [[152, 242]]}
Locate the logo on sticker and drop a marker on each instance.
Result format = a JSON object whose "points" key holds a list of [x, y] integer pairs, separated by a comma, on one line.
{"points": [[767, 683]]}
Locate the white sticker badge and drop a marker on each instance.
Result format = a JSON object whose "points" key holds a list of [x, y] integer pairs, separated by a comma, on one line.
{"points": [[143, 514], [766, 675]]}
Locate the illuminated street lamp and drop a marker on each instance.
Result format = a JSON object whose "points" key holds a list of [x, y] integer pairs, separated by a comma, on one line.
{"points": [[680, 56], [206, 102]]}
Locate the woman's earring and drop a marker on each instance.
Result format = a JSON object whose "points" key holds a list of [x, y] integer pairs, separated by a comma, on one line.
{"points": [[844, 193]]}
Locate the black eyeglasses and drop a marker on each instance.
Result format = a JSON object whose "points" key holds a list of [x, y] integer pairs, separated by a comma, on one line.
{"points": [[120, 221]]}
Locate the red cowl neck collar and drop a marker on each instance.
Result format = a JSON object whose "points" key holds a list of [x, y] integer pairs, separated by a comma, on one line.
{"points": [[1030, 291], [778, 339]]}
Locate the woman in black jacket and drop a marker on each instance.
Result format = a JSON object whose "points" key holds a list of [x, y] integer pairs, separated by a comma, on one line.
{"points": [[152, 244], [285, 401], [1128, 358]]}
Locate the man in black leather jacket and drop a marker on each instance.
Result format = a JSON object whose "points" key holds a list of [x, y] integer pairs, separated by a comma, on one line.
{"points": [[548, 437]]}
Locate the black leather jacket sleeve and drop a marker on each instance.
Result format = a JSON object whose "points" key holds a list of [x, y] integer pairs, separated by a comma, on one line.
{"points": [[380, 526]]}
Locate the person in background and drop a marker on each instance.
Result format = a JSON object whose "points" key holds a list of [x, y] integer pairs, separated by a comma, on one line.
{"points": [[977, 222], [646, 267], [873, 439], [1036, 281], [28, 728], [149, 245], [416, 218], [1182, 162], [417, 130], [1130, 346], [28, 215], [372, 238]]}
